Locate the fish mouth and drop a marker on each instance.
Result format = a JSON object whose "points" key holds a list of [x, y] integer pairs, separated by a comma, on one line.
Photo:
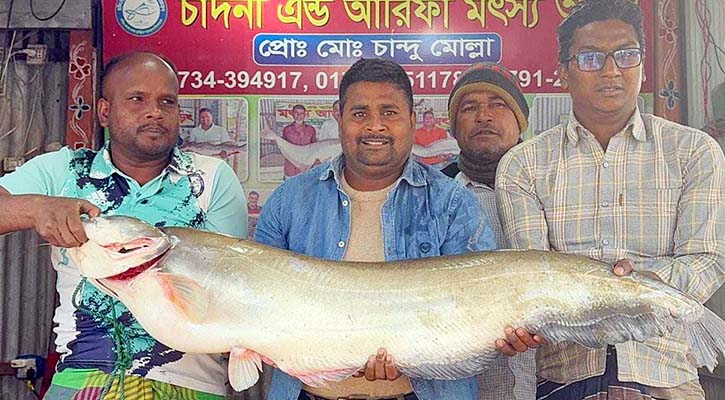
{"points": [[129, 247], [139, 269]]}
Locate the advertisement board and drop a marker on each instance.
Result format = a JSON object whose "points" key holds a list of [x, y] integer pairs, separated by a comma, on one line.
{"points": [[250, 63]]}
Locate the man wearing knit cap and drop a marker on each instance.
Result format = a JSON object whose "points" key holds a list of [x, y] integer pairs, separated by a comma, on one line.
{"points": [[487, 113]]}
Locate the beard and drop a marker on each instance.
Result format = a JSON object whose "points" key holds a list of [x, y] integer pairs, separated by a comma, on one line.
{"points": [[493, 153], [147, 142]]}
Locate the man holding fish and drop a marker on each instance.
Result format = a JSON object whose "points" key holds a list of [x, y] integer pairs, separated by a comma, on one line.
{"points": [[487, 114], [374, 203], [139, 172], [623, 187]]}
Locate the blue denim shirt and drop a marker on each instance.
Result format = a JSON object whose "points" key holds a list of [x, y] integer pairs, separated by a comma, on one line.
{"points": [[426, 214]]}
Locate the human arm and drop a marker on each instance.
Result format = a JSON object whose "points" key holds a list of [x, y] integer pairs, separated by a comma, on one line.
{"points": [[524, 226], [520, 211], [270, 230], [697, 263], [313, 134], [193, 132], [227, 211], [28, 198]]}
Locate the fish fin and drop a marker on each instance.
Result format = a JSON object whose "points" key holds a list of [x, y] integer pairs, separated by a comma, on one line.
{"points": [[244, 367], [186, 295], [707, 339], [612, 328], [320, 378], [454, 370]]}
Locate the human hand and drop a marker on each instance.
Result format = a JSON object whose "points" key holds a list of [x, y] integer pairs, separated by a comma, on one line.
{"points": [[58, 219], [518, 341], [380, 366], [623, 267]]}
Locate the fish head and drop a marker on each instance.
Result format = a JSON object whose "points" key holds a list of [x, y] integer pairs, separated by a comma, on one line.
{"points": [[119, 248]]}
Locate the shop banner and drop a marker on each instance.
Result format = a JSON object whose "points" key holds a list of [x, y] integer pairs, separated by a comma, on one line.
{"points": [[259, 78]]}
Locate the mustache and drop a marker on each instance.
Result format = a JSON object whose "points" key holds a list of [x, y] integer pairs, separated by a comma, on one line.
{"points": [[152, 127], [486, 128]]}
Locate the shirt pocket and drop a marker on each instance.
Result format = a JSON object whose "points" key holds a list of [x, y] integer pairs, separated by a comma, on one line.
{"points": [[650, 218]]}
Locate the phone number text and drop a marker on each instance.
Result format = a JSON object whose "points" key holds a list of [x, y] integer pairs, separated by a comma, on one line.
{"points": [[330, 80]]}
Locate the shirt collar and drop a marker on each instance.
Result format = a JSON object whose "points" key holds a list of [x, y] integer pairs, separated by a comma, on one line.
{"points": [[464, 180], [575, 130], [102, 167], [413, 173]]}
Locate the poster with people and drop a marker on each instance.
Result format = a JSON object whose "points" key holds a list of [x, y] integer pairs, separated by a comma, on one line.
{"points": [[255, 201], [295, 136], [218, 128]]}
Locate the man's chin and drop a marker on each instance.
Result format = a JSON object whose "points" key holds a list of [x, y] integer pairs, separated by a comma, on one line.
{"points": [[377, 162], [154, 149], [485, 154]]}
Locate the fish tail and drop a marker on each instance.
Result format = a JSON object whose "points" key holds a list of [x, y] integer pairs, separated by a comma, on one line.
{"points": [[707, 339]]}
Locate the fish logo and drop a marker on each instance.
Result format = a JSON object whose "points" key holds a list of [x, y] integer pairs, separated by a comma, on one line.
{"points": [[141, 17]]}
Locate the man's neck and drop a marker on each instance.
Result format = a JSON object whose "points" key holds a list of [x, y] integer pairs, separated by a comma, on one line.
{"points": [[479, 168], [603, 125], [142, 171], [369, 184], [207, 128]]}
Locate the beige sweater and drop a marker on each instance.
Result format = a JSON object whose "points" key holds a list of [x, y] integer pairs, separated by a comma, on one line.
{"points": [[365, 244]]}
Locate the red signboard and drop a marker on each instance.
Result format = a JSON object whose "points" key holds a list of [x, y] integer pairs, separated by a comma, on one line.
{"points": [[248, 66], [304, 46]]}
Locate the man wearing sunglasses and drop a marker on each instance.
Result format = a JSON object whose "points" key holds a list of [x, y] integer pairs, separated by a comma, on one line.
{"points": [[631, 189]]}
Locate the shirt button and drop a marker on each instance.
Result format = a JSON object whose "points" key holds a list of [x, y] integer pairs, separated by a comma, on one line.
{"points": [[605, 164], [340, 244], [605, 242], [605, 204], [345, 203]]}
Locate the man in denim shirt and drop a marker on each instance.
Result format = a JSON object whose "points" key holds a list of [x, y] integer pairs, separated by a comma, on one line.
{"points": [[374, 203]]}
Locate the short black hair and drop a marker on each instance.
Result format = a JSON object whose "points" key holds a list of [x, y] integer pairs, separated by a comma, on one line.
{"points": [[254, 192], [429, 112], [119, 60], [589, 11], [376, 70], [205, 109], [299, 107]]}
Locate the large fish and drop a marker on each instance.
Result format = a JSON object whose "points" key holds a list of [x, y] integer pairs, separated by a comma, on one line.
{"points": [[319, 320]]}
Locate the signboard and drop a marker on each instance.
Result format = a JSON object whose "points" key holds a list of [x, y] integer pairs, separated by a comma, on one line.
{"points": [[303, 46], [251, 62]]}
